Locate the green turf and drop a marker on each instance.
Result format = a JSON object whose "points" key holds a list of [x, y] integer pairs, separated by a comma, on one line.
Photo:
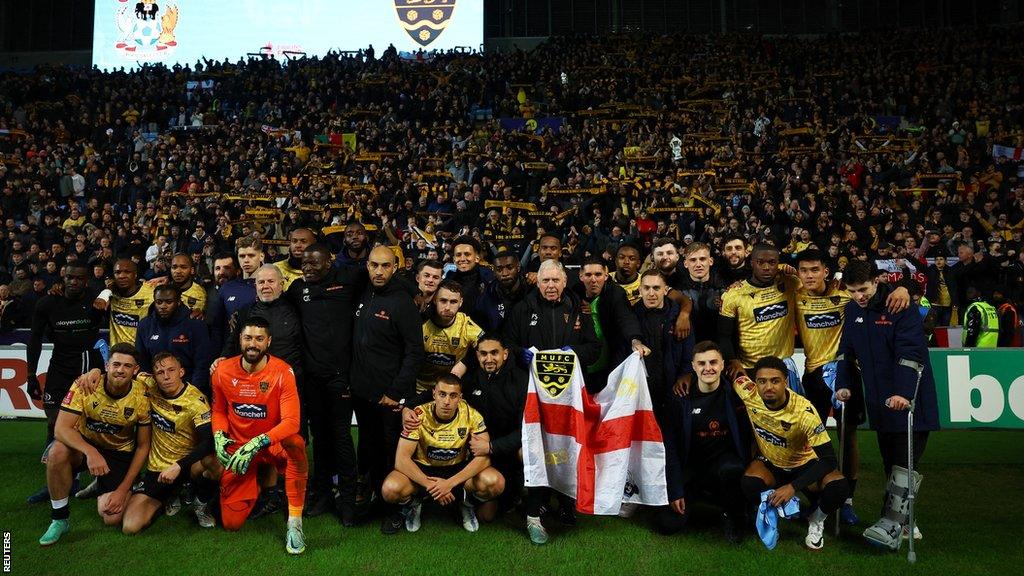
{"points": [[971, 510]]}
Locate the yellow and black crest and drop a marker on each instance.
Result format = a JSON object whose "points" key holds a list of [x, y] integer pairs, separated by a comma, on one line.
{"points": [[554, 371], [424, 20]]}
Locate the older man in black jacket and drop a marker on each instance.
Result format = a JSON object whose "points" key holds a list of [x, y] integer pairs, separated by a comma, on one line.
{"points": [[387, 352]]}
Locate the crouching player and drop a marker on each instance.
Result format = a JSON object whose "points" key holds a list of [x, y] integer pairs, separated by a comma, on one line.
{"points": [[182, 448], [795, 451], [107, 431], [434, 459], [255, 423]]}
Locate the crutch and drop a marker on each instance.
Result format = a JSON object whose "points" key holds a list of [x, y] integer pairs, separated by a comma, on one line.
{"points": [[842, 451], [911, 554]]}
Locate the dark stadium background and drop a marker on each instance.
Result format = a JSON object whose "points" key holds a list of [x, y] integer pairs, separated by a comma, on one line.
{"points": [[66, 25]]}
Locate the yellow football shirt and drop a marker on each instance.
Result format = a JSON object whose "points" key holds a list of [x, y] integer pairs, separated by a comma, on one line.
{"points": [[194, 297], [174, 424], [290, 274], [764, 318], [127, 311], [445, 347], [787, 436], [632, 289], [819, 319], [108, 421], [442, 443]]}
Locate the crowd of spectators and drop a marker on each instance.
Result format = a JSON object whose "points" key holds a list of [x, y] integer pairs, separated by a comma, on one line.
{"points": [[875, 146]]}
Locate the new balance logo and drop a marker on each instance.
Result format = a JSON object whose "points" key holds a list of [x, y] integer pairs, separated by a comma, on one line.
{"points": [[250, 411], [771, 312]]}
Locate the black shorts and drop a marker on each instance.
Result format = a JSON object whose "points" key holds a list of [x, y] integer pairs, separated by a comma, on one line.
{"points": [[56, 388], [151, 486], [820, 396], [445, 472], [119, 462], [786, 475]]}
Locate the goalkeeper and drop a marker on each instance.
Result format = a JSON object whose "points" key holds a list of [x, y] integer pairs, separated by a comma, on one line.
{"points": [[256, 423]]}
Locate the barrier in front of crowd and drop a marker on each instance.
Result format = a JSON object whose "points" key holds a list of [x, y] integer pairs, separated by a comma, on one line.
{"points": [[976, 388]]}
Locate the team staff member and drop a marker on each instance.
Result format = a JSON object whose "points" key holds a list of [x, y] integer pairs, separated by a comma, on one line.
{"points": [[169, 327], [795, 451], [890, 353], [448, 336], [707, 439], [735, 267], [435, 459], [473, 277], [497, 389], [669, 358], [278, 312], [615, 325], [256, 422], [428, 278], [183, 275], [387, 352], [325, 298], [291, 268], [508, 288], [239, 292], [703, 287], [107, 431], [548, 319], [182, 448]]}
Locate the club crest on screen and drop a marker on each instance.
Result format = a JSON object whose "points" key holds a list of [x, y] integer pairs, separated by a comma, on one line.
{"points": [[424, 20], [145, 30]]}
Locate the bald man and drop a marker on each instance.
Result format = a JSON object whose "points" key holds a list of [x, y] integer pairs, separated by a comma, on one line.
{"points": [[387, 352]]}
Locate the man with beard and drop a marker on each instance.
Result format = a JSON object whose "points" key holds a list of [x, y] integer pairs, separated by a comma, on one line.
{"points": [[386, 355], [71, 324], [291, 268], [505, 291], [183, 274], [256, 423], [225, 269], [169, 328], [448, 336], [734, 266], [627, 271], [356, 248], [471, 276], [325, 298]]}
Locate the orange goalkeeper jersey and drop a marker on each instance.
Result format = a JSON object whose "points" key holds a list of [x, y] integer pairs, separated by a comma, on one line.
{"points": [[246, 405]]}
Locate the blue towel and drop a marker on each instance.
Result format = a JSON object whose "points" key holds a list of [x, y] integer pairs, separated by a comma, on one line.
{"points": [[794, 376], [828, 374], [768, 518], [104, 349]]}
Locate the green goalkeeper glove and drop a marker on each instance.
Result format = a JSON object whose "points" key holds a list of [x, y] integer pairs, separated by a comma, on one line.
{"points": [[221, 441], [240, 460]]}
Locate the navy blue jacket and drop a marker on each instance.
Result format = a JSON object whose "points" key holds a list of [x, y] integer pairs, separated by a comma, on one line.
{"points": [[185, 337], [879, 345], [232, 297], [677, 430], [677, 355]]}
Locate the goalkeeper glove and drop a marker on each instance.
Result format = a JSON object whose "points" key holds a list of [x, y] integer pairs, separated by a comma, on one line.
{"points": [[240, 460], [221, 441]]}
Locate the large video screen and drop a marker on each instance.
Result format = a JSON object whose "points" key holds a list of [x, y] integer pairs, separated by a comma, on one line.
{"points": [[129, 33]]}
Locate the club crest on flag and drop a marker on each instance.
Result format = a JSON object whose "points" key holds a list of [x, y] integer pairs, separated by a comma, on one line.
{"points": [[424, 20], [554, 371]]}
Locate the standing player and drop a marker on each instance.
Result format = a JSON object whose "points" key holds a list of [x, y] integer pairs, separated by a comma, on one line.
{"points": [[820, 306], [795, 451], [256, 410], [72, 325], [435, 459], [182, 447], [108, 431], [447, 337], [183, 275], [129, 302]]}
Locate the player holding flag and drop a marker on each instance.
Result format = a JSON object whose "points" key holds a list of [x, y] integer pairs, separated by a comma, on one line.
{"points": [[256, 421]]}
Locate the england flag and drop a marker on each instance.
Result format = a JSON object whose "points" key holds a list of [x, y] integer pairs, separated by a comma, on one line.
{"points": [[602, 450]]}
